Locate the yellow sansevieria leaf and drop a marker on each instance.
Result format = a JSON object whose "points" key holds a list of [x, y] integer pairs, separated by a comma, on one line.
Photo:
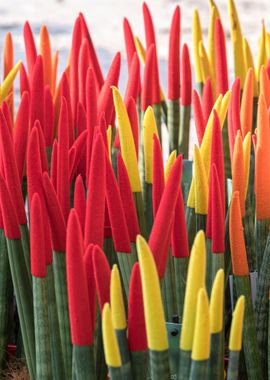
{"points": [[117, 302], [197, 37], [213, 5], [235, 342], [201, 341], [149, 129], [246, 151], [170, 162], [224, 107], [262, 53], [128, 149], [205, 67], [8, 82], [237, 42], [211, 50], [216, 303], [109, 141], [153, 309], [249, 63], [111, 349], [195, 281], [201, 184], [205, 150]]}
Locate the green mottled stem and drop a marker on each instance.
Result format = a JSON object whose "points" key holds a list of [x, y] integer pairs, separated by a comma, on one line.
{"points": [[248, 223], [198, 370], [5, 292], [101, 367], [251, 350], [200, 222], [139, 112], [59, 269], [24, 299], [164, 110], [261, 308], [217, 263], [233, 367], [109, 250], [168, 290], [183, 138], [55, 339], [148, 208], [157, 112], [184, 365], [140, 212], [42, 333], [216, 360], [268, 342], [226, 150], [208, 265], [124, 352], [191, 225], [84, 363], [261, 236], [173, 123], [49, 156], [126, 262], [159, 364], [26, 247], [139, 364], [254, 114], [180, 268], [186, 179], [115, 373]]}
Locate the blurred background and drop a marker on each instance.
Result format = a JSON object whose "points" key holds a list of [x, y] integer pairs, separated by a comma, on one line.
{"points": [[104, 18]]}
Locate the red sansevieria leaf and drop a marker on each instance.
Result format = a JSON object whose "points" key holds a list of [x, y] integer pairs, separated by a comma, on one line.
{"points": [[158, 175], [218, 220], [10, 220], [95, 205], [129, 42], [179, 230], [37, 239], [78, 300], [34, 166], [79, 146], [91, 116], [24, 81], [21, 133], [134, 122], [207, 99], [132, 89], [222, 84], [71, 161], [150, 37], [53, 169], [218, 160], [198, 116], [10, 168], [102, 275], [163, 221], [7, 115], [94, 63], [65, 92], [174, 57], [80, 200], [46, 52], [74, 64], [186, 80], [127, 199], [105, 98], [116, 212], [81, 126], [137, 340], [62, 160], [84, 60], [89, 269], [30, 47], [49, 117], [57, 221], [37, 93], [42, 146], [150, 89], [102, 128]]}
